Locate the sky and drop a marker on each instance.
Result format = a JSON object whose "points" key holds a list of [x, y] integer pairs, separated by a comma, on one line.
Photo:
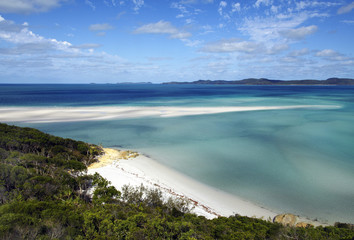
{"points": [[111, 41]]}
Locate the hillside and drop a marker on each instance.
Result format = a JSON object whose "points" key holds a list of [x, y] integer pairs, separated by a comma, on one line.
{"points": [[46, 194]]}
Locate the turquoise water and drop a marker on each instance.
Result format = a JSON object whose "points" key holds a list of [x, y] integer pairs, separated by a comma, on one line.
{"points": [[299, 161]]}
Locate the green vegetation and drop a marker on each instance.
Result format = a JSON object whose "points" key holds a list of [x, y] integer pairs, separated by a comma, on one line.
{"points": [[44, 194]]}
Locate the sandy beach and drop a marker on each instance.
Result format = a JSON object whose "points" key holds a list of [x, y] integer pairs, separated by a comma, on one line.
{"points": [[74, 114], [206, 201]]}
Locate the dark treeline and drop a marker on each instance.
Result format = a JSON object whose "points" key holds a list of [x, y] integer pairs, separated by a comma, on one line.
{"points": [[45, 193]]}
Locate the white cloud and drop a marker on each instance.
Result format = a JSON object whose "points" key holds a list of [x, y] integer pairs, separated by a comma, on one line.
{"points": [[300, 52], [100, 27], [348, 21], [219, 66], [27, 55], [2, 19], [26, 41], [138, 4], [346, 8], [191, 43], [264, 2], [181, 8], [278, 48], [326, 53], [330, 54], [279, 21], [189, 21], [274, 9], [314, 4], [232, 45], [268, 29], [159, 58], [189, 8], [28, 6], [88, 2], [207, 29], [86, 46], [222, 5], [299, 33], [196, 1], [162, 27], [181, 35], [236, 7], [189, 1], [290, 59], [114, 3]]}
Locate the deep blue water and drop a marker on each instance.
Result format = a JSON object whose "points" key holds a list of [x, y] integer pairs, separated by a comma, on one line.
{"points": [[157, 94], [299, 160]]}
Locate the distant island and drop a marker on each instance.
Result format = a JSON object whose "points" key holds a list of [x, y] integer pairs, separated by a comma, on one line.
{"points": [[265, 81]]}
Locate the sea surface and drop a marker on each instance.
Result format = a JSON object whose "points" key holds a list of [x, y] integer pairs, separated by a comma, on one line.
{"points": [[294, 160]]}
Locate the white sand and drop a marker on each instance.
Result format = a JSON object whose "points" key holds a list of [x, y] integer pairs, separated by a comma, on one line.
{"points": [[70, 114], [207, 201]]}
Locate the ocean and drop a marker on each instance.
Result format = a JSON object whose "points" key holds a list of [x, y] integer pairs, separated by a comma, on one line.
{"points": [[289, 160]]}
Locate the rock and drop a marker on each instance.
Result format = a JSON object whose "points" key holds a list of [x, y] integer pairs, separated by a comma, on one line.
{"points": [[286, 219], [303, 225]]}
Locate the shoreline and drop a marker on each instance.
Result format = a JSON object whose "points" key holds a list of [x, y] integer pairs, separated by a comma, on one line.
{"points": [[207, 201]]}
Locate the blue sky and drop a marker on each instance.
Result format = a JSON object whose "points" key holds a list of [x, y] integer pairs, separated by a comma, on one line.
{"points": [[109, 41]]}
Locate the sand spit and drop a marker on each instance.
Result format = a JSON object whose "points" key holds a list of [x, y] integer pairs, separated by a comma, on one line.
{"points": [[71, 114]]}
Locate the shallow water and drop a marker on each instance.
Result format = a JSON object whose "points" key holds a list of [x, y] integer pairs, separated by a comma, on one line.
{"points": [[299, 160]]}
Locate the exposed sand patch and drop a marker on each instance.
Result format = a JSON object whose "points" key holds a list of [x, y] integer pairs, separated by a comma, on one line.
{"points": [[110, 155]]}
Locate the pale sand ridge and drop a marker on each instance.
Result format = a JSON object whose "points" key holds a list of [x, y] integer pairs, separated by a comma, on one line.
{"points": [[72, 114]]}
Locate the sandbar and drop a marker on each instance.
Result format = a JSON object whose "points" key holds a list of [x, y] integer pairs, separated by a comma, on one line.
{"points": [[74, 114]]}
